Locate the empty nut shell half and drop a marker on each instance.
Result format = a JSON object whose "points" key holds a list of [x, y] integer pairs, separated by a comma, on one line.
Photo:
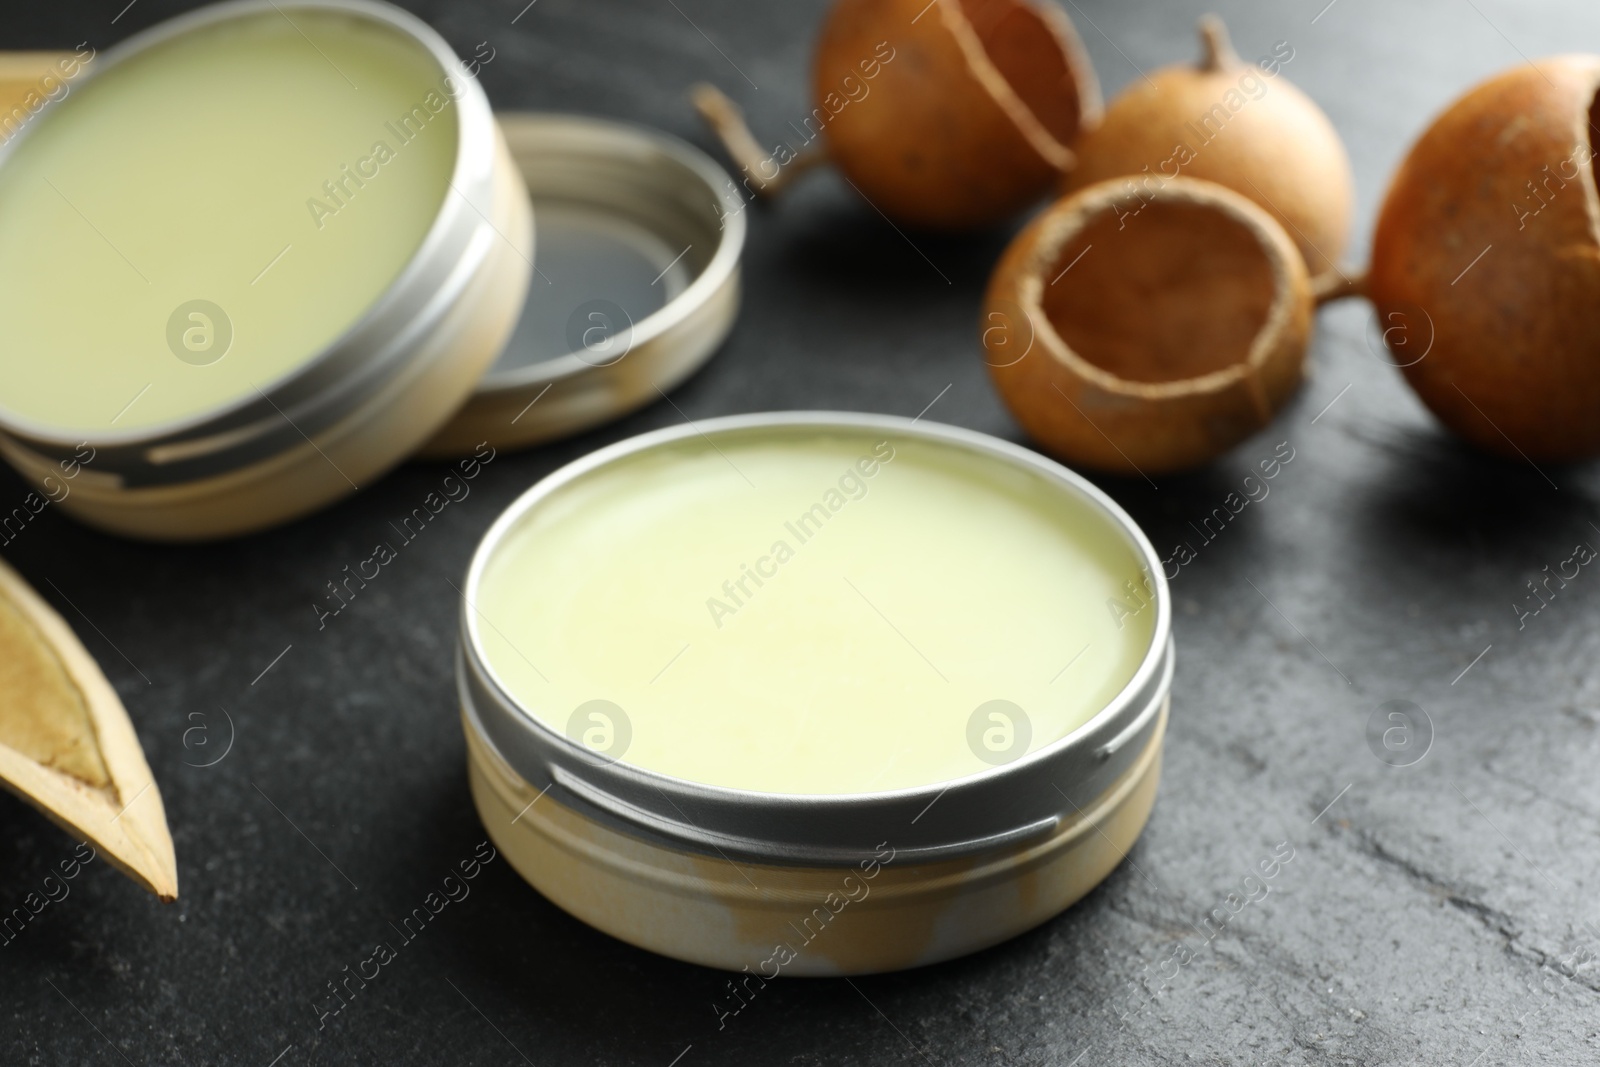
{"points": [[972, 111], [1485, 268], [1143, 333]]}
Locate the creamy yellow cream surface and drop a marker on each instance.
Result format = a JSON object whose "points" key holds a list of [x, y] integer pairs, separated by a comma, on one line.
{"points": [[794, 612], [282, 168]]}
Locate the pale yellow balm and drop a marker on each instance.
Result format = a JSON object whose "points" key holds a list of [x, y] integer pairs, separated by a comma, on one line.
{"points": [[815, 612], [195, 223]]}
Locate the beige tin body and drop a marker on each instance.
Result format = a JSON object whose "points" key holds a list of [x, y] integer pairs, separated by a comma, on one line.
{"points": [[354, 410], [816, 884], [881, 913]]}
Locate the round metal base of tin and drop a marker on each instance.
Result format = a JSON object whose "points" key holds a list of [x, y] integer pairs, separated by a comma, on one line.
{"points": [[636, 284], [885, 912]]}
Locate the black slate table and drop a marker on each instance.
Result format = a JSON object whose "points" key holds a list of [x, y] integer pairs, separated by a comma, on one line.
{"points": [[1438, 913]]}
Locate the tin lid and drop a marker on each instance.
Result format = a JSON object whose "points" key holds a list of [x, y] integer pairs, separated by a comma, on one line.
{"points": [[636, 283], [1006, 804]]}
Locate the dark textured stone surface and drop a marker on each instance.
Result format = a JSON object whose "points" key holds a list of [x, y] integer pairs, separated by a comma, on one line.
{"points": [[1422, 919]]}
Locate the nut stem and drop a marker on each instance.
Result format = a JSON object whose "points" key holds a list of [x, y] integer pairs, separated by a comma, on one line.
{"points": [[728, 123], [1335, 284], [1216, 50]]}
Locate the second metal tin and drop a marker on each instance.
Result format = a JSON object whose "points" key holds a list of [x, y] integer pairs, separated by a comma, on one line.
{"points": [[737, 878]]}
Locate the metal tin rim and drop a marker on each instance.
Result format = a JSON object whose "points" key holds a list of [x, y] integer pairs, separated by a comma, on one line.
{"points": [[724, 261], [991, 808], [251, 427]]}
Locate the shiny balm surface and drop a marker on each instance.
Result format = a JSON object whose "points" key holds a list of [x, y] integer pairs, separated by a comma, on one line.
{"points": [[205, 218], [806, 612]]}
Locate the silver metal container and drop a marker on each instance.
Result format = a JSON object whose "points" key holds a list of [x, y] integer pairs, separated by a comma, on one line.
{"points": [[716, 875], [361, 405], [607, 184]]}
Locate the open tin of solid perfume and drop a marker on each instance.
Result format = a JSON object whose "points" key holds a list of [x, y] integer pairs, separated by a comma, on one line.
{"points": [[814, 693], [249, 259], [637, 281], [311, 243]]}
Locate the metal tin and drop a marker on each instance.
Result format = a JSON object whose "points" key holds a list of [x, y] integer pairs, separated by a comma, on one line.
{"points": [[722, 876], [360, 406], [653, 190]]}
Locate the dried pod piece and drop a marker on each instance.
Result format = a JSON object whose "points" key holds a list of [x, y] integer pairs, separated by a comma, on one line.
{"points": [[1142, 333], [67, 747], [1236, 124], [20, 76], [972, 118], [1487, 246]]}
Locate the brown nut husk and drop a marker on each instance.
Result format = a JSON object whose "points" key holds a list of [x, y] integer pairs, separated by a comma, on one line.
{"points": [[1147, 333], [67, 747], [972, 110], [1241, 125], [1487, 246], [23, 84]]}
